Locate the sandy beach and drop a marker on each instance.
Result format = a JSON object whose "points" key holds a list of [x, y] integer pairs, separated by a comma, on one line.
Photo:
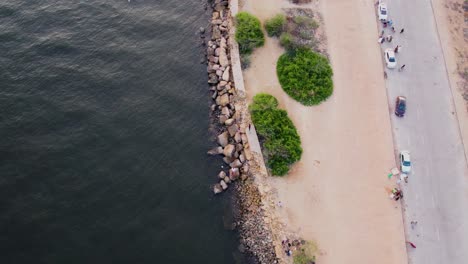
{"points": [[337, 195]]}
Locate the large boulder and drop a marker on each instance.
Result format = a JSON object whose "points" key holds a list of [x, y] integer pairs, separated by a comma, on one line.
{"points": [[236, 164], [234, 174], [223, 139], [223, 60], [233, 130], [215, 151], [222, 100], [217, 188], [229, 150]]}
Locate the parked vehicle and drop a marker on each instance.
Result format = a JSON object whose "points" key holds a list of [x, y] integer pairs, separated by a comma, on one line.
{"points": [[405, 161], [390, 59], [400, 106], [383, 12]]}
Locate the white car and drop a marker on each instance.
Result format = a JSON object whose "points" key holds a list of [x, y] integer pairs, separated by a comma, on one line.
{"points": [[405, 162], [390, 59], [383, 12]]}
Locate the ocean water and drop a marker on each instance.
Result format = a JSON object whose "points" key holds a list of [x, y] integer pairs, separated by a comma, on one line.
{"points": [[104, 123]]}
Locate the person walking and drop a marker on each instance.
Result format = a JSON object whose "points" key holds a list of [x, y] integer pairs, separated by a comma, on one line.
{"points": [[393, 28], [402, 67], [396, 49], [402, 30], [389, 38]]}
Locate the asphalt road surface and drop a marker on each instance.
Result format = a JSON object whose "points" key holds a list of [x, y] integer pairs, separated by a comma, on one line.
{"points": [[436, 195]]}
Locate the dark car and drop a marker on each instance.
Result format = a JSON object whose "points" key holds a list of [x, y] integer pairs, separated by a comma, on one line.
{"points": [[400, 106]]}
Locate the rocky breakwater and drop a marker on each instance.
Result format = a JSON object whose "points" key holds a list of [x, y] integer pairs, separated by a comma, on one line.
{"points": [[230, 112]]}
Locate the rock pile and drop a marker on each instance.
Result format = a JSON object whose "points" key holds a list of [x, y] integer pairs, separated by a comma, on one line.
{"points": [[229, 110], [232, 140]]}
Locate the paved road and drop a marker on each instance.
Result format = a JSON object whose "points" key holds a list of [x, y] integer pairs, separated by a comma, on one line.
{"points": [[437, 193]]}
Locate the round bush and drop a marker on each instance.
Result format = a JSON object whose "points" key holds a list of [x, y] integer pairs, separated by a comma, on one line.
{"points": [[278, 136], [249, 33], [275, 25], [306, 76]]}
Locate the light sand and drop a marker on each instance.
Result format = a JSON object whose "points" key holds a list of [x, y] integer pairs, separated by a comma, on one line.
{"points": [[337, 195], [451, 24]]}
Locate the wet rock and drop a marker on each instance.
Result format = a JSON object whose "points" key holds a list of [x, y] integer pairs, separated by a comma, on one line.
{"points": [[236, 164], [221, 175], [223, 184], [223, 139], [202, 30], [215, 151], [228, 160], [217, 188], [229, 150], [234, 174]]}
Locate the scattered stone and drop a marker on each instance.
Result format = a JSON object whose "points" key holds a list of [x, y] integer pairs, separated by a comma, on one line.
{"points": [[215, 151], [221, 174], [202, 30], [217, 188], [223, 184], [223, 139]]}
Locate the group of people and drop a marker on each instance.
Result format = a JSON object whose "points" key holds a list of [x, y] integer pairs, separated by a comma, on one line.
{"points": [[287, 247], [397, 194], [389, 38]]}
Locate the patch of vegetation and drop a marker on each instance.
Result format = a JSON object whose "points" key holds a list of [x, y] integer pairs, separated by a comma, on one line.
{"points": [[249, 33], [296, 29], [306, 76], [275, 25], [305, 254], [280, 142]]}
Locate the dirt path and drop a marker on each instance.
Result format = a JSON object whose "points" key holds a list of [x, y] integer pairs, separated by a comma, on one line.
{"points": [[337, 195]]}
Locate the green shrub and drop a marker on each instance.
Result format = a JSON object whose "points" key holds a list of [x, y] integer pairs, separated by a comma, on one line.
{"points": [[249, 34], [286, 40], [280, 141], [306, 76], [300, 257], [275, 25]]}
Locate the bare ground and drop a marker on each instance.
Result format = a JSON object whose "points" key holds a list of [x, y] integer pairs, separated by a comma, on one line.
{"points": [[337, 195]]}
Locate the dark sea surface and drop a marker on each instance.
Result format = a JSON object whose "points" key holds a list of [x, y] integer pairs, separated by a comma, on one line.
{"points": [[104, 117]]}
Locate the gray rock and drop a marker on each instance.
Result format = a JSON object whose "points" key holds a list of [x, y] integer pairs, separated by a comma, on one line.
{"points": [[223, 139], [242, 158], [215, 151], [217, 188], [222, 100], [216, 33], [202, 30], [238, 137], [226, 75], [229, 122], [225, 111], [212, 78], [229, 150], [215, 94], [221, 175], [222, 119], [228, 160], [227, 180], [223, 60], [245, 168], [223, 184], [234, 174], [213, 107], [236, 164], [233, 130]]}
